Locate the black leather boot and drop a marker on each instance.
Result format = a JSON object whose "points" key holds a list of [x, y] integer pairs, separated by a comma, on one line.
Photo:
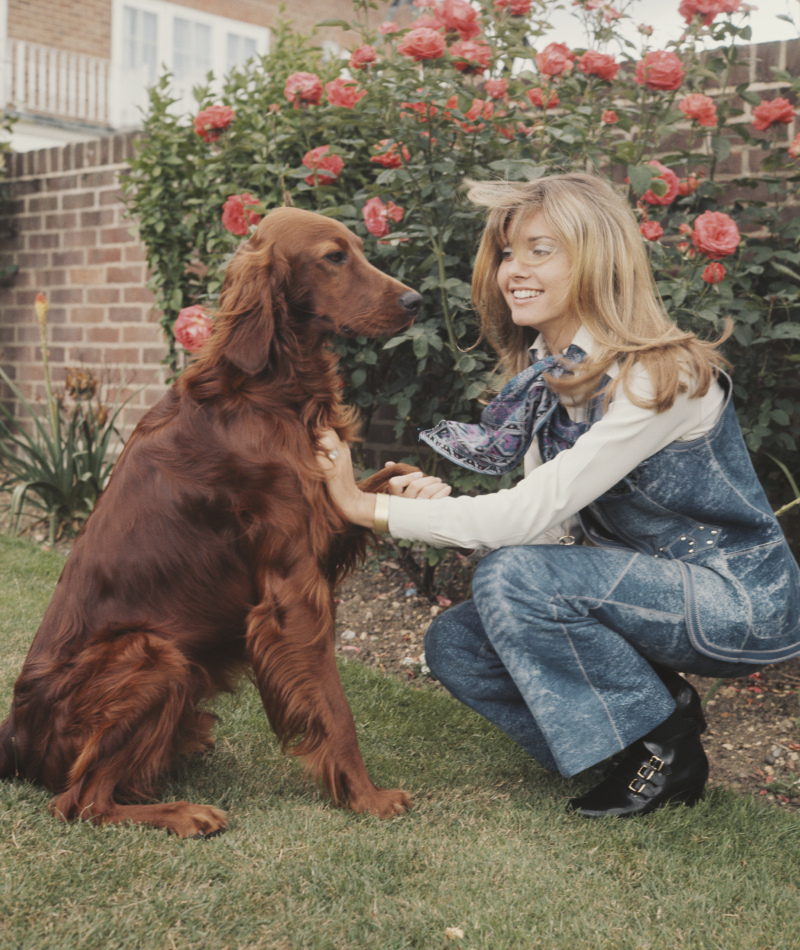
{"points": [[687, 699], [666, 765]]}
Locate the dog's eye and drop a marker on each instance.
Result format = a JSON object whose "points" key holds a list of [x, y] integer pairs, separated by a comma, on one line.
{"points": [[336, 257]]}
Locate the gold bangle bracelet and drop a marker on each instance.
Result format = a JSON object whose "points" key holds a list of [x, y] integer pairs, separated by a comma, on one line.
{"points": [[381, 523]]}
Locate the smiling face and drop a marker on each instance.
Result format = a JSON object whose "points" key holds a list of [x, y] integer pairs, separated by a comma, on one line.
{"points": [[534, 282]]}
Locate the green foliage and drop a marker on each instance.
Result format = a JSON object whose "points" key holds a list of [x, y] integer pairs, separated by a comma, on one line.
{"points": [[58, 465], [439, 368]]}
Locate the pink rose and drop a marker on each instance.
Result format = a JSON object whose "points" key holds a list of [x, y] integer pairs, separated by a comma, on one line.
{"points": [[235, 214], [555, 58], [715, 234], [496, 88], [192, 328], [303, 87], [794, 148], [652, 230], [667, 175], [514, 7], [388, 27], [688, 186], [609, 117], [392, 155], [701, 108], [660, 69], [771, 111], [471, 57], [421, 44], [318, 159], [537, 98], [361, 58], [714, 273], [209, 123], [598, 64], [344, 92], [707, 10], [460, 16], [377, 216]]}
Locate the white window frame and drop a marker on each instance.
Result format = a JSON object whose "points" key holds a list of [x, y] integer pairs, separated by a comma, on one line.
{"points": [[124, 98]]}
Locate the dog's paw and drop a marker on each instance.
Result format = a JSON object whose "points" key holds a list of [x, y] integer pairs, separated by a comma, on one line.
{"points": [[383, 802]]}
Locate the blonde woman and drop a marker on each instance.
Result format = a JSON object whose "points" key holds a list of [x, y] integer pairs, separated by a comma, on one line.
{"points": [[638, 544]]}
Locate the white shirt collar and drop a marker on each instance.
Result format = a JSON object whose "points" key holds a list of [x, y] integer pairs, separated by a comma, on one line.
{"points": [[582, 338]]}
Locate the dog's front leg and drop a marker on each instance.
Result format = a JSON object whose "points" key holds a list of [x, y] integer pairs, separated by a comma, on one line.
{"points": [[290, 642]]}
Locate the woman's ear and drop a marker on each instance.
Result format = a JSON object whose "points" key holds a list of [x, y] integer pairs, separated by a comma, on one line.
{"points": [[253, 305]]}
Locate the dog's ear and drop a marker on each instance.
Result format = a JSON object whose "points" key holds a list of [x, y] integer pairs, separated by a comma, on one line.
{"points": [[253, 305]]}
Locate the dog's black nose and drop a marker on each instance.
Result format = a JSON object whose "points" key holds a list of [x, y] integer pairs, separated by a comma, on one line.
{"points": [[411, 301]]}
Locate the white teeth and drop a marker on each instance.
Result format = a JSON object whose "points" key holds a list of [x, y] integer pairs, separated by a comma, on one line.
{"points": [[525, 294]]}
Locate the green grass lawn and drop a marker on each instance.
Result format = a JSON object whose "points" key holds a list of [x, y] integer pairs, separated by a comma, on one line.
{"points": [[488, 847]]}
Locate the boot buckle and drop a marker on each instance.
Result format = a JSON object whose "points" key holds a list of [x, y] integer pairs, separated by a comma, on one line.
{"points": [[655, 763], [641, 788]]}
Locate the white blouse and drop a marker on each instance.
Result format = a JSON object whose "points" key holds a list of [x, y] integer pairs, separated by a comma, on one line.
{"points": [[541, 507]]}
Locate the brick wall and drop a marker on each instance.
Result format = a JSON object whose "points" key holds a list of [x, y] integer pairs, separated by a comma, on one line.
{"points": [[74, 244]]}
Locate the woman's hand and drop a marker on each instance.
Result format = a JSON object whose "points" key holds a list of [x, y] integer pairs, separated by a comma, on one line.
{"points": [[418, 485], [359, 507]]}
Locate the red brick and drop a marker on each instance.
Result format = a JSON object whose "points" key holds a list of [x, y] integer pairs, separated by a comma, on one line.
{"points": [[29, 222], [66, 295], [141, 333], [40, 241], [88, 314], [104, 255], [87, 275], [44, 203], [128, 354], [135, 253], [67, 334], [102, 334], [50, 278], [33, 259], [102, 295], [125, 314], [154, 355], [68, 258], [62, 221], [124, 275], [138, 295], [78, 200], [86, 238], [118, 236], [96, 219]]}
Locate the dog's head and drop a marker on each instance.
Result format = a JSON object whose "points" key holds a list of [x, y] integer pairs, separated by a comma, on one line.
{"points": [[300, 276]]}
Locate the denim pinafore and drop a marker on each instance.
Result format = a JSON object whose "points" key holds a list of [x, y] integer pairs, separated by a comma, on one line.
{"points": [[700, 503]]}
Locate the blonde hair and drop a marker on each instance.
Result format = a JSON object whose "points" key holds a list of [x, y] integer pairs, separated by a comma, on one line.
{"points": [[611, 289]]}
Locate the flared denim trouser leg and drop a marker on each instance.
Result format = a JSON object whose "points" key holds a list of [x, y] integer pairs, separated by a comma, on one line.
{"points": [[556, 648]]}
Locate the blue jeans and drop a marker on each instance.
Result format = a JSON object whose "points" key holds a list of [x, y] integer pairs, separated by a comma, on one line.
{"points": [[556, 649]]}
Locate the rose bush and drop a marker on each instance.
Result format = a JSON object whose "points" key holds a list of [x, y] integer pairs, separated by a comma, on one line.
{"points": [[390, 165]]}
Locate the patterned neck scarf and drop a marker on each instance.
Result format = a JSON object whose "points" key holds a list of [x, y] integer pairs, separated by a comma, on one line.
{"points": [[525, 408]]}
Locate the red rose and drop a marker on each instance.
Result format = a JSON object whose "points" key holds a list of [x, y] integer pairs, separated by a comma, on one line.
{"points": [[377, 215], [303, 87], [210, 122], [660, 69], [422, 43], [344, 92], [388, 27], [389, 156], [192, 328], [715, 234], [235, 214], [667, 175], [514, 7], [609, 117], [318, 158], [471, 57], [422, 111], [714, 273], [794, 148], [555, 58], [652, 230], [770, 111], [537, 98], [598, 64], [701, 108], [459, 15], [496, 88], [361, 58]]}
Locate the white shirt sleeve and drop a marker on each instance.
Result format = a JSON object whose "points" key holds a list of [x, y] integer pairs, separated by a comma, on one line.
{"points": [[553, 492]]}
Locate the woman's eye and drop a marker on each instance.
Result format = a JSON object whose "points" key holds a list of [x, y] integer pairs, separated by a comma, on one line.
{"points": [[335, 257], [506, 254]]}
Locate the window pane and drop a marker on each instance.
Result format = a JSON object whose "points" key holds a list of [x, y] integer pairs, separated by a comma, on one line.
{"points": [[139, 42]]}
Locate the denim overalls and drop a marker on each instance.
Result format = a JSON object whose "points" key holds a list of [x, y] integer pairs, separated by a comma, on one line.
{"points": [[690, 570]]}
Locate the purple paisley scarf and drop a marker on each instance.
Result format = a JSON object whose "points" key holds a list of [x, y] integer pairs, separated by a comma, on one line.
{"points": [[524, 408]]}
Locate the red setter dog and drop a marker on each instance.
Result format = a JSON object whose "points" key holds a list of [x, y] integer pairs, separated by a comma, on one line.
{"points": [[215, 546]]}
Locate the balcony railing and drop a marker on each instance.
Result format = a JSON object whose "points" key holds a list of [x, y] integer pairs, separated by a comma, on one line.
{"points": [[42, 80]]}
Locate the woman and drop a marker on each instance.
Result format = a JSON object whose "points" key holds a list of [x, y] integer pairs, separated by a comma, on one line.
{"points": [[631, 446]]}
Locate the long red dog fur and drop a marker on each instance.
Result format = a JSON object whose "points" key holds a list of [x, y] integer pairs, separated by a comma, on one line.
{"points": [[215, 547]]}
